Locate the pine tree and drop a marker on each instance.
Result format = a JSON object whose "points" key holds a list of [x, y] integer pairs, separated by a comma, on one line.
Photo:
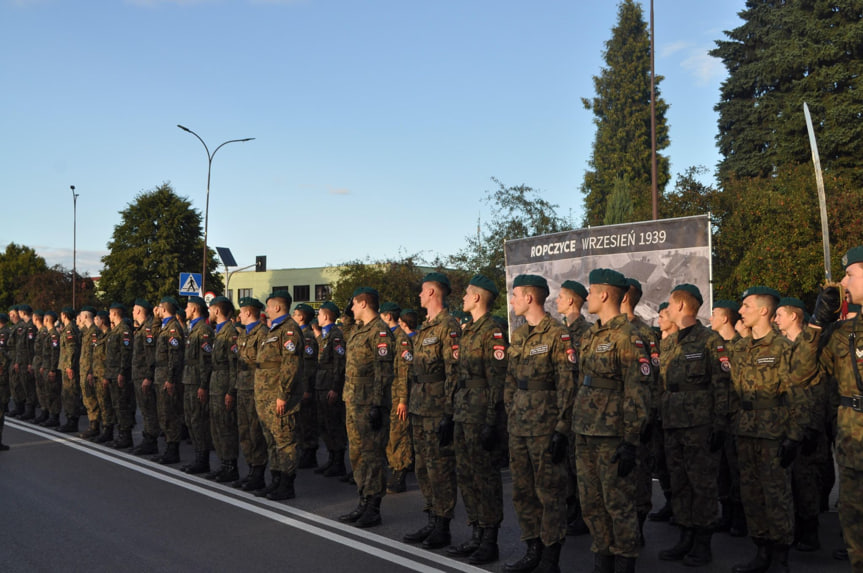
{"points": [[618, 209]]}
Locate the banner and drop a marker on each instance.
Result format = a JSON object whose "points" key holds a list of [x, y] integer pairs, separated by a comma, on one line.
{"points": [[659, 254]]}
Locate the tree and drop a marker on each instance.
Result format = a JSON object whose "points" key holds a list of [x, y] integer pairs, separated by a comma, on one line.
{"points": [[396, 281], [785, 54], [621, 112], [619, 206], [17, 264], [159, 237], [51, 289]]}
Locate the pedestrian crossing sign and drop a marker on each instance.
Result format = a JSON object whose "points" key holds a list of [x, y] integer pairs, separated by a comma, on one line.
{"points": [[190, 284]]}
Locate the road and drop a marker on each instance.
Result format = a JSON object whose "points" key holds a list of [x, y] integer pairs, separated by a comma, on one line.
{"points": [[71, 505]]}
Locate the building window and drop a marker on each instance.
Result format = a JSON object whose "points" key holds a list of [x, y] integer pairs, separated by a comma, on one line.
{"points": [[284, 288], [301, 293], [322, 292], [230, 294], [244, 293]]}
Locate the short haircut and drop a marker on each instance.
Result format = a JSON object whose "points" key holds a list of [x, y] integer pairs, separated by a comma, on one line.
{"points": [[410, 318], [689, 301], [394, 314], [487, 297], [615, 293], [225, 307], [370, 299], [768, 302], [732, 315], [169, 306], [331, 314], [308, 314], [801, 315], [634, 296], [254, 311], [539, 294]]}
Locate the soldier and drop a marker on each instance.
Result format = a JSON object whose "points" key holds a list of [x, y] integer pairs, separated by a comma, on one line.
{"points": [[10, 352], [430, 406], [88, 330], [609, 417], [479, 393], [368, 371], [400, 455], [278, 393], [25, 339], [667, 335], [4, 374], [99, 342], [223, 390], [118, 375], [50, 372], [329, 384], [69, 364], [769, 427], [38, 375], [170, 355], [197, 368], [143, 374], [694, 413], [251, 435], [307, 428]]}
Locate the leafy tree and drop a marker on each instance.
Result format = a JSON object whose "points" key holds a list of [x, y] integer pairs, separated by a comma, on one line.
{"points": [[619, 206], [397, 281], [621, 112], [785, 54], [17, 264], [159, 237], [51, 289]]}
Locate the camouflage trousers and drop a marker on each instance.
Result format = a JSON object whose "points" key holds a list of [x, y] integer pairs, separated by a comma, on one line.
{"points": [[607, 500], [765, 490], [434, 467], [307, 423], [331, 422], [249, 429], [657, 460], [728, 480], [280, 433], [851, 513], [400, 449], [170, 410], [106, 407], [5, 392], [24, 386], [197, 417], [478, 478], [88, 395], [51, 392], [69, 394], [223, 428], [121, 401], [41, 389], [538, 489], [693, 469], [644, 479], [146, 400], [367, 450], [806, 481]]}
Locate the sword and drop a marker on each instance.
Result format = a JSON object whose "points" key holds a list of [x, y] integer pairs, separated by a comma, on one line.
{"points": [[822, 200]]}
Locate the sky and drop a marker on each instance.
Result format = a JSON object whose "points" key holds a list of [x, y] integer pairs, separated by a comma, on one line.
{"points": [[378, 125]]}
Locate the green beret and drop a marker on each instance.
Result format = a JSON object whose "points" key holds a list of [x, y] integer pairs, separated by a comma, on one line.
{"points": [[792, 301], [630, 282], [170, 300], [390, 307], [90, 309], [365, 290], [485, 283], [68, 311], [253, 302], [729, 304], [38, 312], [25, 308], [13, 307], [103, 314], [222, 299], [691, 289], [408, 311], [181, 314], [531, 280], [438, 278], [575, 287], [607, 277], [52, 314], [331, 306], [119, 306], [4, 317], [304, 308], [143, 303], [853, 307], [282, 294], [194, 299], [762, 290], [854, 255], [662, 306]]}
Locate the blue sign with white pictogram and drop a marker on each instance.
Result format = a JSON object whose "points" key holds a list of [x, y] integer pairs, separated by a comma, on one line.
{"points": [[190, 284]]}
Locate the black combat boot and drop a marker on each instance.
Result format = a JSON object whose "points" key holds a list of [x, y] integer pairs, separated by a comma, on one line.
{"points": [[807, 535], [575, 524], [760, 562], [308, 459], [274, 484], [440, 535], [337, 468], [255, 479], [106, 436], [397, 482], [285, 489], [71, 425], [123, 441], [779, 559], [93, 428], [147, 446], [43, 415], [550, 562], [701, 554], [327, 464], [372, 515], [624, 564], [229, 472], [530, 560], [603, 563], [53, 421], [681, 548], [664, 513], [487, 552], [422, 533], [171, 455], [29, 412], [18, 411], [201, 464], [469, 546], [738, 522], [354, 515]]}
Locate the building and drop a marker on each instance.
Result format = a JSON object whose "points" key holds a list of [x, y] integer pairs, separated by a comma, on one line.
{"points": [[310, 285]]}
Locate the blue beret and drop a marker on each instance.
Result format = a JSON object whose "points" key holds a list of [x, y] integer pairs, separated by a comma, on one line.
{"points": [[531, 280], [484, 283], [38, 312], [761, 290], [854, 255], [691, 289], [575, 287], [607, 277]]}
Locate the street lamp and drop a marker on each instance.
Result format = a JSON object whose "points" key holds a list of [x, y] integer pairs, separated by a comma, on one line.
{"points": [[74, 241], [207, 207]]}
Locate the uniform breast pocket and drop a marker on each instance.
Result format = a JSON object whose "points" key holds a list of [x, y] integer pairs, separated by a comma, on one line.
{"points": [[695, 368]]}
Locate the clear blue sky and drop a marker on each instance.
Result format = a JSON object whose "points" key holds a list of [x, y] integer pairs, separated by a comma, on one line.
{"points": [[378, 124]]}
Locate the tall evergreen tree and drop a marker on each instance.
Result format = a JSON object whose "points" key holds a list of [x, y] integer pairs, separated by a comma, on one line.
{"points": [[621, 112], [618, 209], [159, 237]]}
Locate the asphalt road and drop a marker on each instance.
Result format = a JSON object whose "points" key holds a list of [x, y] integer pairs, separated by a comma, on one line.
{"points": [[70, 505]]}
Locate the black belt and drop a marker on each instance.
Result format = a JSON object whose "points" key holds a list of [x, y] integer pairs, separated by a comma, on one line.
{"points": [[763, 403], [598, 382], [536, 385], [853, 402], [429, 378], [221, 368], [473, 383], [686, 387]]}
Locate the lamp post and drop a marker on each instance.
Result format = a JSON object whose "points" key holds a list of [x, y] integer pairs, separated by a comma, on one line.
{"points": [[230, 274], [207, 205], [74, 242]]}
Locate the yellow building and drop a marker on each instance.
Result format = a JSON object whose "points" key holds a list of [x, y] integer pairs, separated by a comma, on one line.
{"points": [[310, 285]]}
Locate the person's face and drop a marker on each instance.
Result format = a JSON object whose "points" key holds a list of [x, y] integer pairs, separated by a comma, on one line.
{"points": [[853, 282], [563, 302], [663, 321], [213, 315], [404, 325], [749, 311], [468, 301], [37, 321], [784, 318], [519, 301], [717, 318], [297, 316], [273, 307], [594, 299], [115, 317], [425, 294]]}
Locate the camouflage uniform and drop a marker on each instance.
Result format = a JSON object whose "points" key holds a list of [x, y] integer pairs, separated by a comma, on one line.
{"points": [[99, 352], [88, 389], [24, 386], [251, 435], [576, 330], [144, 368], [223, 381], [728, 480], [434, 359], [538, 399], [170, 346], [38, 375], [70, 355], [118, 361], [50, 361], [5, 364], [331, 376], [400, 454], [647, 456], [611, 407], [481, 373], [280, 376], [307, 421], [197, 368]]}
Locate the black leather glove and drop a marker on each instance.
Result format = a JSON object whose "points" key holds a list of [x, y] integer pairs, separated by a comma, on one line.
{"points": [[716, 440], [488, 438], [827, 307], [349, 309], [787, 452], [810, 442], [557, 447], [376, 418], [445, 431], [625, 456]]}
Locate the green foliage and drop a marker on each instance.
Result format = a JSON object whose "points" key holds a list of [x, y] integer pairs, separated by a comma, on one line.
{"points": [[51, 289], [159, 237], [621, 112], [619, 206], [396, 280], [17, 264], [785, 54]]}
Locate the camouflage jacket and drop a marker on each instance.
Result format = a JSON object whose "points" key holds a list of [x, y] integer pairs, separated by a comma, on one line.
{"points": [[70, 348], [223, 380], [248, 341], [806, 373], [280, 364], [369, 364], [403, 367], [615, 374], [198, 360], [481, 372], [310, 357], [330, 373], [5, 348], [39, 348], [435, 354], [538, 390], [144, 350], [760, 370], [86, 355], [51, 350], [98, 353], [651, 343], [842, 359], [170, 347], [25, 340], [118, 351], [695, 378]]}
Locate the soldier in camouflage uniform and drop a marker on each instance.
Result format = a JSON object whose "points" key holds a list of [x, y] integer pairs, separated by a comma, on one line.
{"points": [[694, 412], [430, 406], [400, 453], [118, 374], [170, 355], [144, 373], [99, 353], [769, 425], [251, 435], [666, 330], [609, 417], [479, 392], [329, 384], [14, 319], [4, 374], [278, 392], [24, 387], [368, 371], [307, 422], [88, 330], [36, 362], [223, 390], [197, 369], [70, 355], [51, 373]]}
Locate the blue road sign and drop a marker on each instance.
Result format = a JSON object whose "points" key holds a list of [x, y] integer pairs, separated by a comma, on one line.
{"points": [[190, 284]]}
